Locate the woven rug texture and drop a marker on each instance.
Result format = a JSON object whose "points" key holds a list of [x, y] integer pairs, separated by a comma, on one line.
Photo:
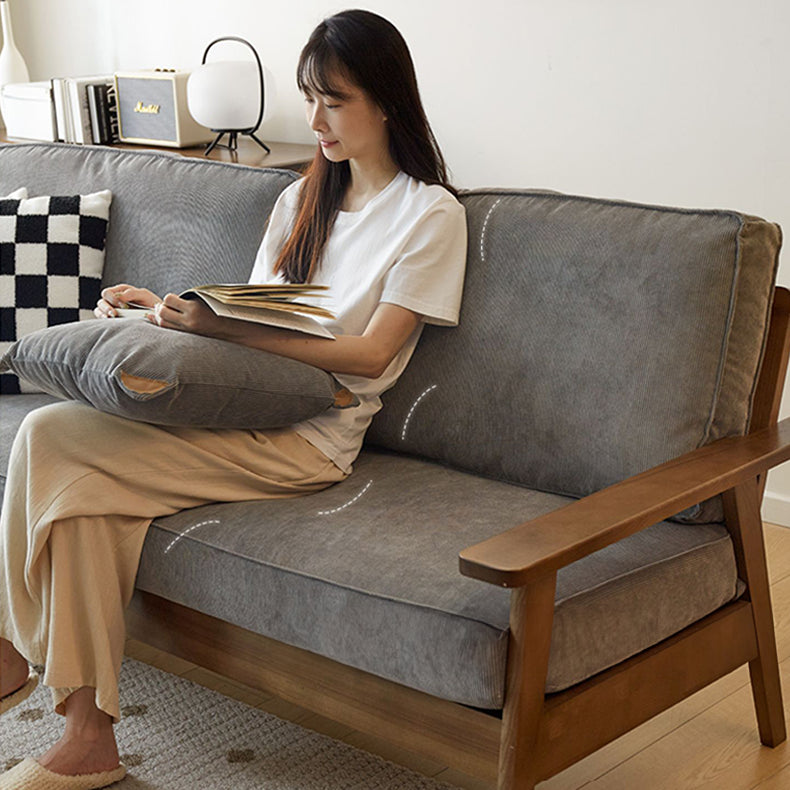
{"points": [[177, 735]]}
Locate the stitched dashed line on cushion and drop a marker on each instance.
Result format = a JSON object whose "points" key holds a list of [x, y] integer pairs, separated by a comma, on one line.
{"points": [[414, 406], [485, 228], [350, 502], [187, 531]]}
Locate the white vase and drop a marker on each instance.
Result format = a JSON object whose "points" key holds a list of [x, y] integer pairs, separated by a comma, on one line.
{"points": [[12, 64]]}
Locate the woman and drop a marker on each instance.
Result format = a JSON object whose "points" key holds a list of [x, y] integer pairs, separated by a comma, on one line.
{"points": [[374, 219]]}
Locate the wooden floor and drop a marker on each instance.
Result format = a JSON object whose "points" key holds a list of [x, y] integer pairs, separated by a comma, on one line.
{"points": [[708, 741]]}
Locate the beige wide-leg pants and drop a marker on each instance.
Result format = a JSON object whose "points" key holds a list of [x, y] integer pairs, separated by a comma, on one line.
{"points": [[82, 489]]}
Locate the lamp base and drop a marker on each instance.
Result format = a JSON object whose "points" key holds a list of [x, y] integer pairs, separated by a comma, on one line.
{"points": [[233, 140]]}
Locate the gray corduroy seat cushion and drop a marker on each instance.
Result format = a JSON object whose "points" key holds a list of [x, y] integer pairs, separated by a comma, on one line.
{"points": [[366, 572]]}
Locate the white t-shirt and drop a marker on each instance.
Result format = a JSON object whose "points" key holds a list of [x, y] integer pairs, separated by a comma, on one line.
{"points": [[407, 246]]}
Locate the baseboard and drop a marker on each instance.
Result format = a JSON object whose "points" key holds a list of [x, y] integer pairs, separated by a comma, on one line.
{"points": [[776, 509]]}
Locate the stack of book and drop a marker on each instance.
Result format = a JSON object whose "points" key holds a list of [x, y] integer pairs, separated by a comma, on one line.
{"points": [[85, 109], [67, 109]]}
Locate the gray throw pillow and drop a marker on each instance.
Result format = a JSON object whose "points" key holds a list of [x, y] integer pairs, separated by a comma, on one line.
{"points": [[137, 370]]}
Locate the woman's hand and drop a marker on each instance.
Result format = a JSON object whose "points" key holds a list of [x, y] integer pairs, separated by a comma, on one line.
{"points": [[187, 315], [119, 296]]}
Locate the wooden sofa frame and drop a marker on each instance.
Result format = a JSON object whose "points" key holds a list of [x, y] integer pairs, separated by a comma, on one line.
{"points": [[538, 734]]}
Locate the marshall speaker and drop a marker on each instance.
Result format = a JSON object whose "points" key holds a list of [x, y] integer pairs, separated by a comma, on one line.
{"points": [[152, 109]]}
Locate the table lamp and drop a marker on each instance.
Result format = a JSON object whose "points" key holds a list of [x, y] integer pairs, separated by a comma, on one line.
{"points": [[229, 97]]}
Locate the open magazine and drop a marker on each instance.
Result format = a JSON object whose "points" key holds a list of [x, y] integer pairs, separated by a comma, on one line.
{"points": [[276, 304]]}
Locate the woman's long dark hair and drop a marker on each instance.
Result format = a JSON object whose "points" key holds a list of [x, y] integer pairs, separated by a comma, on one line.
{"points": [[368, 51]]}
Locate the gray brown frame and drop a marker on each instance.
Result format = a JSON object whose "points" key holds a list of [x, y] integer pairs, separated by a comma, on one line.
{"points": [[540, 735]]}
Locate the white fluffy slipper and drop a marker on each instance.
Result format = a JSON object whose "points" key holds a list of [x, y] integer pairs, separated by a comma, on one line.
{"points": [[30, 775], [21, 694]]}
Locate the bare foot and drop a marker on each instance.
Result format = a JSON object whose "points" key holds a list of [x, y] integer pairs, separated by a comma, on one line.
{"points": [[88, 743], [13, 669], [84, 755]]}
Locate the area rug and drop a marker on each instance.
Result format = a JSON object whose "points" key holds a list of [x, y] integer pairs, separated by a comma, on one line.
{"points": [[177, 735]]}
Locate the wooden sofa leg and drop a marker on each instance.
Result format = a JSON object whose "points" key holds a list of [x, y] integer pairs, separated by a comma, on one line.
{"points": [[531, 617], [742, 512]]}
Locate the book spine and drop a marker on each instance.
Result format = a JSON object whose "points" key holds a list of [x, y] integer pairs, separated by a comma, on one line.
{"points": [[114, 133], [54, 118], [60, 112], [95, 110], [74, 112], [67, 111], [80, 113], [104, 113], [84, 114], [57, 110]]}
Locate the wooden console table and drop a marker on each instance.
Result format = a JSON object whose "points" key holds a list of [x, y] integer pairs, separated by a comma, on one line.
{"points": [[294, 156]]}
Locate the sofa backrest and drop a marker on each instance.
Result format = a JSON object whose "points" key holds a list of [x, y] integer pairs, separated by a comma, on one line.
{"points": [[597, 339], [175, 222]]}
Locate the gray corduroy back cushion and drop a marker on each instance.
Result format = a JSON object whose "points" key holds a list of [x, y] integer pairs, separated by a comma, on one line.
{"points": [[597, 339], [174, 222]]}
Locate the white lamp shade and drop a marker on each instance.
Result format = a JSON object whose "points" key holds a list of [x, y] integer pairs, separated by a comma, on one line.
{"points": [[226, 94]]}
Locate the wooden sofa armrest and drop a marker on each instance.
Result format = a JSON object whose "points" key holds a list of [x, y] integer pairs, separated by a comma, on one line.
{"points": [[543, 545]]}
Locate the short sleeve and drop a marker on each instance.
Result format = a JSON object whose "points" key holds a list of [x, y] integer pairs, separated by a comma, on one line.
{"points": [[428, 276], [280, 223]]}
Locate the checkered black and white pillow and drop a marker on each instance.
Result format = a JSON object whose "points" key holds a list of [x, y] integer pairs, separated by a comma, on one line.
{"points": [[51, 261]]}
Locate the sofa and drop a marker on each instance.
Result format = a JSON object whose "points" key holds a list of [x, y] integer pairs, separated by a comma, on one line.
{"points": [[589, 445]]}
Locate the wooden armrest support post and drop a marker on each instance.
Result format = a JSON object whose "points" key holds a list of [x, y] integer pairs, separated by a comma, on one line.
{"points": [[742, 514], [545, 544]]}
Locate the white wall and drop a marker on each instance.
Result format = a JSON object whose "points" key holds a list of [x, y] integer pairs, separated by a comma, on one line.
{"points": [[685, 102]]}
